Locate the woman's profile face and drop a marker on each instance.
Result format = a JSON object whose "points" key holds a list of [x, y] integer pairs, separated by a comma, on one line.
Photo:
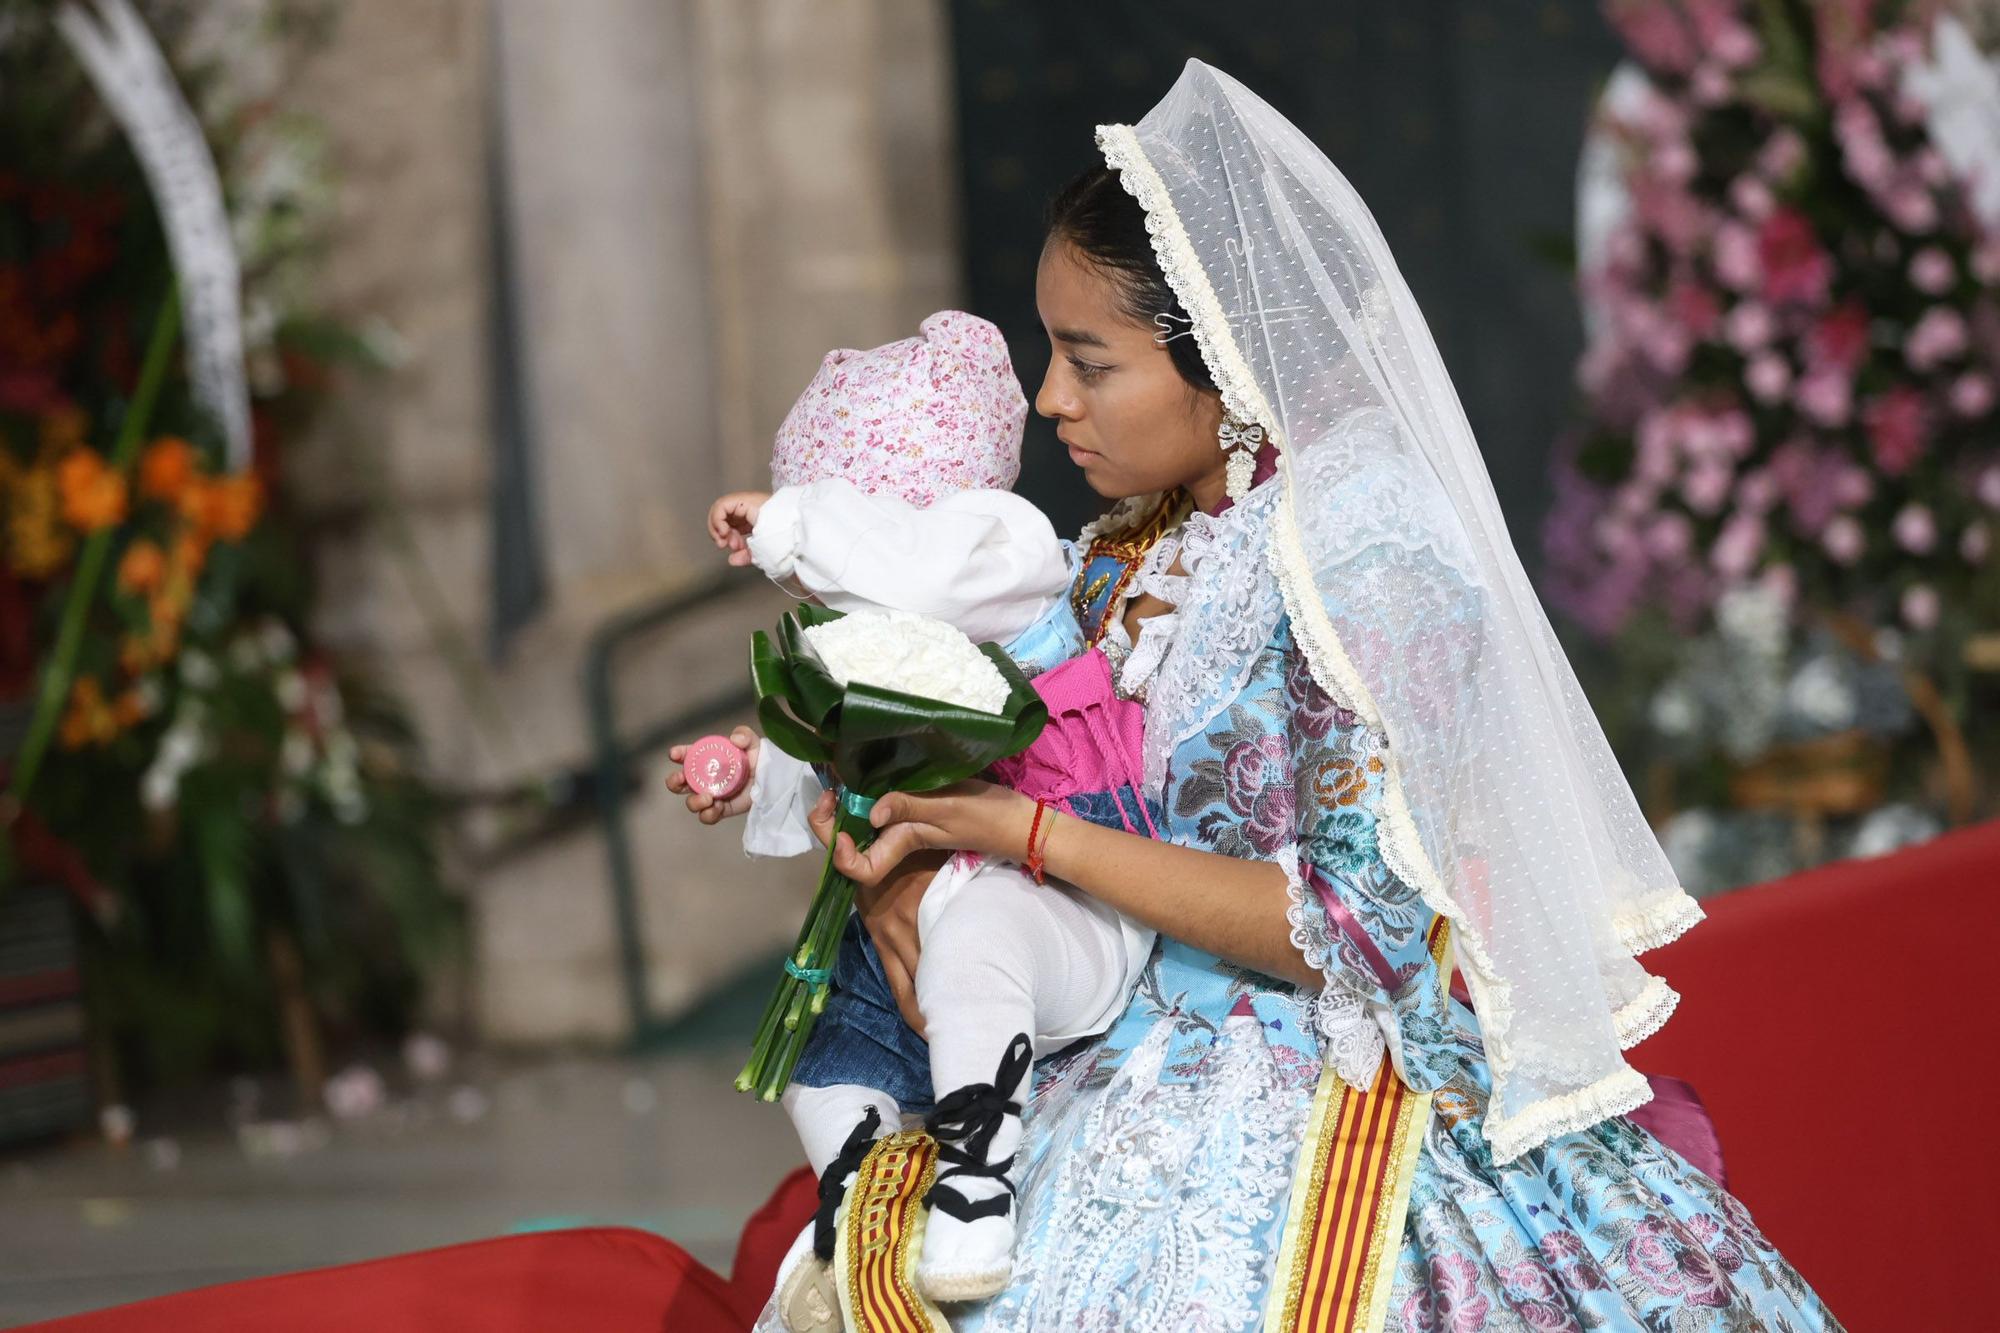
{"points": [[1128, 418]]}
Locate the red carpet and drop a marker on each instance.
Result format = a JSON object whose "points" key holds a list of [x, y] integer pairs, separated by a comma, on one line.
{"points": [[1836, 1024], [607, 1280]]}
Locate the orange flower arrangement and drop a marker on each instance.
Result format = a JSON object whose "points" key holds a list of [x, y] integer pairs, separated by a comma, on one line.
{"points": [[141, 652], [73, 490], [135, 653], [171, 599], [93, 495], [166, 468], [131, 708], [90, 720], [143, 567], [223, 507], [38, 545], [238, 506], [189, 553]]}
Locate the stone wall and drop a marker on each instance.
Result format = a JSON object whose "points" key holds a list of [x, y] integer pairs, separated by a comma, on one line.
{"points": [[704, 196]]}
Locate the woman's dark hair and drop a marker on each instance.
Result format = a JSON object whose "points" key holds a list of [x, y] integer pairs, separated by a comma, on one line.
{"points": [[1108, 228]]}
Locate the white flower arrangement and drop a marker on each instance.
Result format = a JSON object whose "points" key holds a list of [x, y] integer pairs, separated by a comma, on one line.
{"points": [[911, 654]]}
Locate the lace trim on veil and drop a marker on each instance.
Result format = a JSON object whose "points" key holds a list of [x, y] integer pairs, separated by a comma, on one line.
{"points": [[1661, 919], [1646, 1014], [1655, 923], [1240, 394]]}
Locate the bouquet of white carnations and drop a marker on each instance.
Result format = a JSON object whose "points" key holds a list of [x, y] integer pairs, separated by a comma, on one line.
{"points": [[884, 701]]}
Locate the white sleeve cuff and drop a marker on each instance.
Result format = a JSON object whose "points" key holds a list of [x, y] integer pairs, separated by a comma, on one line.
{"points": [[782, 794], [775, 541]]}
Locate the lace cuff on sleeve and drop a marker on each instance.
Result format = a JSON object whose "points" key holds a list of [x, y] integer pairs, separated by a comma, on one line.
{"points": [[1345, 1012]]}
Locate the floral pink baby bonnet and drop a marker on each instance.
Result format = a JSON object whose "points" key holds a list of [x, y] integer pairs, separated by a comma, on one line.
{"points": [[920, 419]]}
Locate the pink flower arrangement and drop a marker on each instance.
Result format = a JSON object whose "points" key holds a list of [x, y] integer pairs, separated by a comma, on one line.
{"points": [[1768, 377], [1782, 155], [1751, 326], [1826, 396], [1972, 394], [1656, 33], [1915, 529], [1844, 540], [1839, 338], [1796, 268], [1738, 256], [1931, 270], [1920, 606], [1797, 378], [1898, 426], [1939, 336]]}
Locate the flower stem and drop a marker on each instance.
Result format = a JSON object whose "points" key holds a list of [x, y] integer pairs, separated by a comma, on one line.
{"points": [[797, 1002], [61, 666]]}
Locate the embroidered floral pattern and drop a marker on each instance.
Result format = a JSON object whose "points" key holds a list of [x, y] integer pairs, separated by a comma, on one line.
{"points": [[1461, 1307], [1344, 842], [1239, 794], [1602, 1229], [1314, 713]]}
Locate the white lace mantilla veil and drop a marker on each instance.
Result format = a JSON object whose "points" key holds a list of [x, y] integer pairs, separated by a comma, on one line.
{"points": [[1503, 805]]}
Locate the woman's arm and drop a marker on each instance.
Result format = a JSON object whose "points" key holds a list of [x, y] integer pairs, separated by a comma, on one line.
{"points": [[1233, 908]]}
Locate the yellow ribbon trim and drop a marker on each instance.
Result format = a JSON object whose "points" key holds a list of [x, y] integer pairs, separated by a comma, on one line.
{"points": [[1350, 1194], [881, 1234]]}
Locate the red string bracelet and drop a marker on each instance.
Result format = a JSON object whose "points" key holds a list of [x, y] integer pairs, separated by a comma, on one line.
{"points": [[1035, 857]]}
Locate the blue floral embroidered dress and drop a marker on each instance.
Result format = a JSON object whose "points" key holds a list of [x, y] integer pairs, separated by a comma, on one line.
{"points": [[1158, 1160]]}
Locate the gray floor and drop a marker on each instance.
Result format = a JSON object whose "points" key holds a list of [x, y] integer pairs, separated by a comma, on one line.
{"points": [[659, 1142]]}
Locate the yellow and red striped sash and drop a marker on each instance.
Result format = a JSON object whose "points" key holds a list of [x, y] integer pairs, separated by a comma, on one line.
{"points": [[881, 1237], [1349, 1196]]}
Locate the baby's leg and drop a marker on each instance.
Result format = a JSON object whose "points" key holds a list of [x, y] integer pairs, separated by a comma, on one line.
{"points": [[860, 1067], [1013, 956], [832, 1122], [824, 1117], [1007, 964]]}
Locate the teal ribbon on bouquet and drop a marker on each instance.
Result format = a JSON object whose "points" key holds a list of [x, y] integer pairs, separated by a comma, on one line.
{"points": [[874, 741]]}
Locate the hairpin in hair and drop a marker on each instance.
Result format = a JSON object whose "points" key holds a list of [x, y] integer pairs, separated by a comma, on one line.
{"points": [[1165, 321]]}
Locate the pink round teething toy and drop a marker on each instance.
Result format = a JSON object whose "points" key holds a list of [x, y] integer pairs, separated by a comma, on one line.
{"points": [[714, 765]]}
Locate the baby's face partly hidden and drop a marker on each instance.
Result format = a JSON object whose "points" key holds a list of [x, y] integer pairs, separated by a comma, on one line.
{"points": [[1128, 418]]}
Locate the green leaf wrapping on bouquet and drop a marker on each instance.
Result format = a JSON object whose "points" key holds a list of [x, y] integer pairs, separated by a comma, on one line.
{"points": [[875, 741]]}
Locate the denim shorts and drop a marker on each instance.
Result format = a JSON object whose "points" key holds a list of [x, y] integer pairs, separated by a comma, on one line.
{"points": [[861, 1037]]}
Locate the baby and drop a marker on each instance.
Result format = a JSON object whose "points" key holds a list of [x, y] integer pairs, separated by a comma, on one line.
{"points": [[893, 477]]}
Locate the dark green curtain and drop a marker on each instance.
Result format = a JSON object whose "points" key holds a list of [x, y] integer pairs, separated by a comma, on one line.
{"points": [[1458, 120]]}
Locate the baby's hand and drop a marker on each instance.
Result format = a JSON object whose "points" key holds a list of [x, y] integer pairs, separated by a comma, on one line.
{"points": [[733, 518], [706, 807]]}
